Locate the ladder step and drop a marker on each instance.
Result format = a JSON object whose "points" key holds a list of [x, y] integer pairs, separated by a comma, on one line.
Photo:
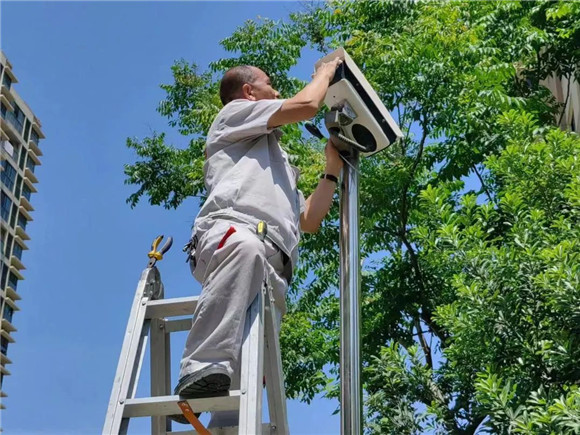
{"points": [[171, 307], [229, 430], [167, 405]]}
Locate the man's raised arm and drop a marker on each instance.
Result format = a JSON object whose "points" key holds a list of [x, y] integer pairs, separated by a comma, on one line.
{"points": [[305, 104]]}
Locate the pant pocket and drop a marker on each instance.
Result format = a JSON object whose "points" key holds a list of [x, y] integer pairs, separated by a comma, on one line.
{"points": [[209, 240]]}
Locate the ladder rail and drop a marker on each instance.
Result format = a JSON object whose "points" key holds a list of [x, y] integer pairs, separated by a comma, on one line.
{"points": [[127, 373], [252, 369], [160, 374], [273, 370]]}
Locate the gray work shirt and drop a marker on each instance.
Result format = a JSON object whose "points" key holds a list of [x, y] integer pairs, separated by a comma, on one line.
{"points": [[247, 175]]}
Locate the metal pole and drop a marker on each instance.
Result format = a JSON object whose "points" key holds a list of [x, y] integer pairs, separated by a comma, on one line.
{"points": [[350, 363]]}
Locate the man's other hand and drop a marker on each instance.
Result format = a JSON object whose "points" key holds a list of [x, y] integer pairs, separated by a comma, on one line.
{"points": [[334, 162]]}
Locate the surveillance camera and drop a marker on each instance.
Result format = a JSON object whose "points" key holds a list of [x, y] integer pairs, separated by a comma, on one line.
{"points": [[357, 118]]}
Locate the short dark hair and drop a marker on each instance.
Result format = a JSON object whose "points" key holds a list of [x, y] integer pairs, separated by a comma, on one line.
{"points": [[233, 80]]}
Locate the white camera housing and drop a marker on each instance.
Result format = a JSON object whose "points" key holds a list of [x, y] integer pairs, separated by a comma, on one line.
{"points": [[372, 126]]}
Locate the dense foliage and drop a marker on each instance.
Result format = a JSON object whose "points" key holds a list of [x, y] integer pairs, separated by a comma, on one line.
{"points": [[471, 295]]}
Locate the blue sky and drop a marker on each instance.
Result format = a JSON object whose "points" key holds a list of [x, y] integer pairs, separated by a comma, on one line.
{"points": [[91, 72]]}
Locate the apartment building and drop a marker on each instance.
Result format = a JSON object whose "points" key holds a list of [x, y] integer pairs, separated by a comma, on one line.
{"points": [[20, 135]]}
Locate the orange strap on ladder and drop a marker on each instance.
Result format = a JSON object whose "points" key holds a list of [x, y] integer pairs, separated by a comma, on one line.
{"points": [[190, 416]]}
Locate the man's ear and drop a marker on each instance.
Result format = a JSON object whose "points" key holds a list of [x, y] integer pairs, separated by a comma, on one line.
{"points": [[247, 92]]}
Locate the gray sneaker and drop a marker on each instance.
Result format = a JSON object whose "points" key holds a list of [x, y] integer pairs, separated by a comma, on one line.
{"points": [[210, 381]]}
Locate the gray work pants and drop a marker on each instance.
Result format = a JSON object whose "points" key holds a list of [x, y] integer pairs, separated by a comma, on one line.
{"points": [[231, 277]]}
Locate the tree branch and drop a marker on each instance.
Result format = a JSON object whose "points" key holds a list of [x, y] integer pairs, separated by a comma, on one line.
{"points": [[424, 345], [483, 185]]}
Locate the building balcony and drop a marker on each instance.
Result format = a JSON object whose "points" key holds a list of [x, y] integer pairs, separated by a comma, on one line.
{"points": [[4, 371], [11, 293], [7, 326], [4, 359], [36, 127], [16, 272], [12, 304], [20, 242], [33, 146], [6, 102], [9, 130], [36, 152], [30, 185], [20, 232], [7, 336], [7, 91], [25, 213], [25, 203], [17, 263], [8, 70], [3, 136], [30, 175]]}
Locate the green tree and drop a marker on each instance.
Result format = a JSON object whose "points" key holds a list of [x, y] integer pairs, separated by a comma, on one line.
{"points": [[470, 296]]}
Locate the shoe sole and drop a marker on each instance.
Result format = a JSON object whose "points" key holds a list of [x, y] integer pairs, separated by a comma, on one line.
{"points": [[208, 386]]}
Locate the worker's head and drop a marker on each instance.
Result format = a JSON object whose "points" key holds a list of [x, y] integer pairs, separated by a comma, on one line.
{"points": [[246, 82]]}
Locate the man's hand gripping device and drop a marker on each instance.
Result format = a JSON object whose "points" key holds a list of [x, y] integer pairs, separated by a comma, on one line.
{"points": [[357, 119]]}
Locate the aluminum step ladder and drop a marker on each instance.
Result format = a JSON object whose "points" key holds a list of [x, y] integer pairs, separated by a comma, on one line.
{"points": [[151, 318]]}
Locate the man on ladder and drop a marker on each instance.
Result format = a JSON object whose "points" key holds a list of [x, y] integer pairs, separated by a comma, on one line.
{"points": [[247, 231]]}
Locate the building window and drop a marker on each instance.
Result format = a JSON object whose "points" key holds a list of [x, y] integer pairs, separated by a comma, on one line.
{"points": [[13, 215], [6, 205], [4, 345], [16, 118], [8, 175], [13, 281], [8, 246], [34, 137], [30, 164], [4, 275], [20, 117], [17, 251], [10, 149], [22, 160], [22, 222], [26, 192], [15, 151], [7, 81], [18, 187], [8, 312], [27, 126]]}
